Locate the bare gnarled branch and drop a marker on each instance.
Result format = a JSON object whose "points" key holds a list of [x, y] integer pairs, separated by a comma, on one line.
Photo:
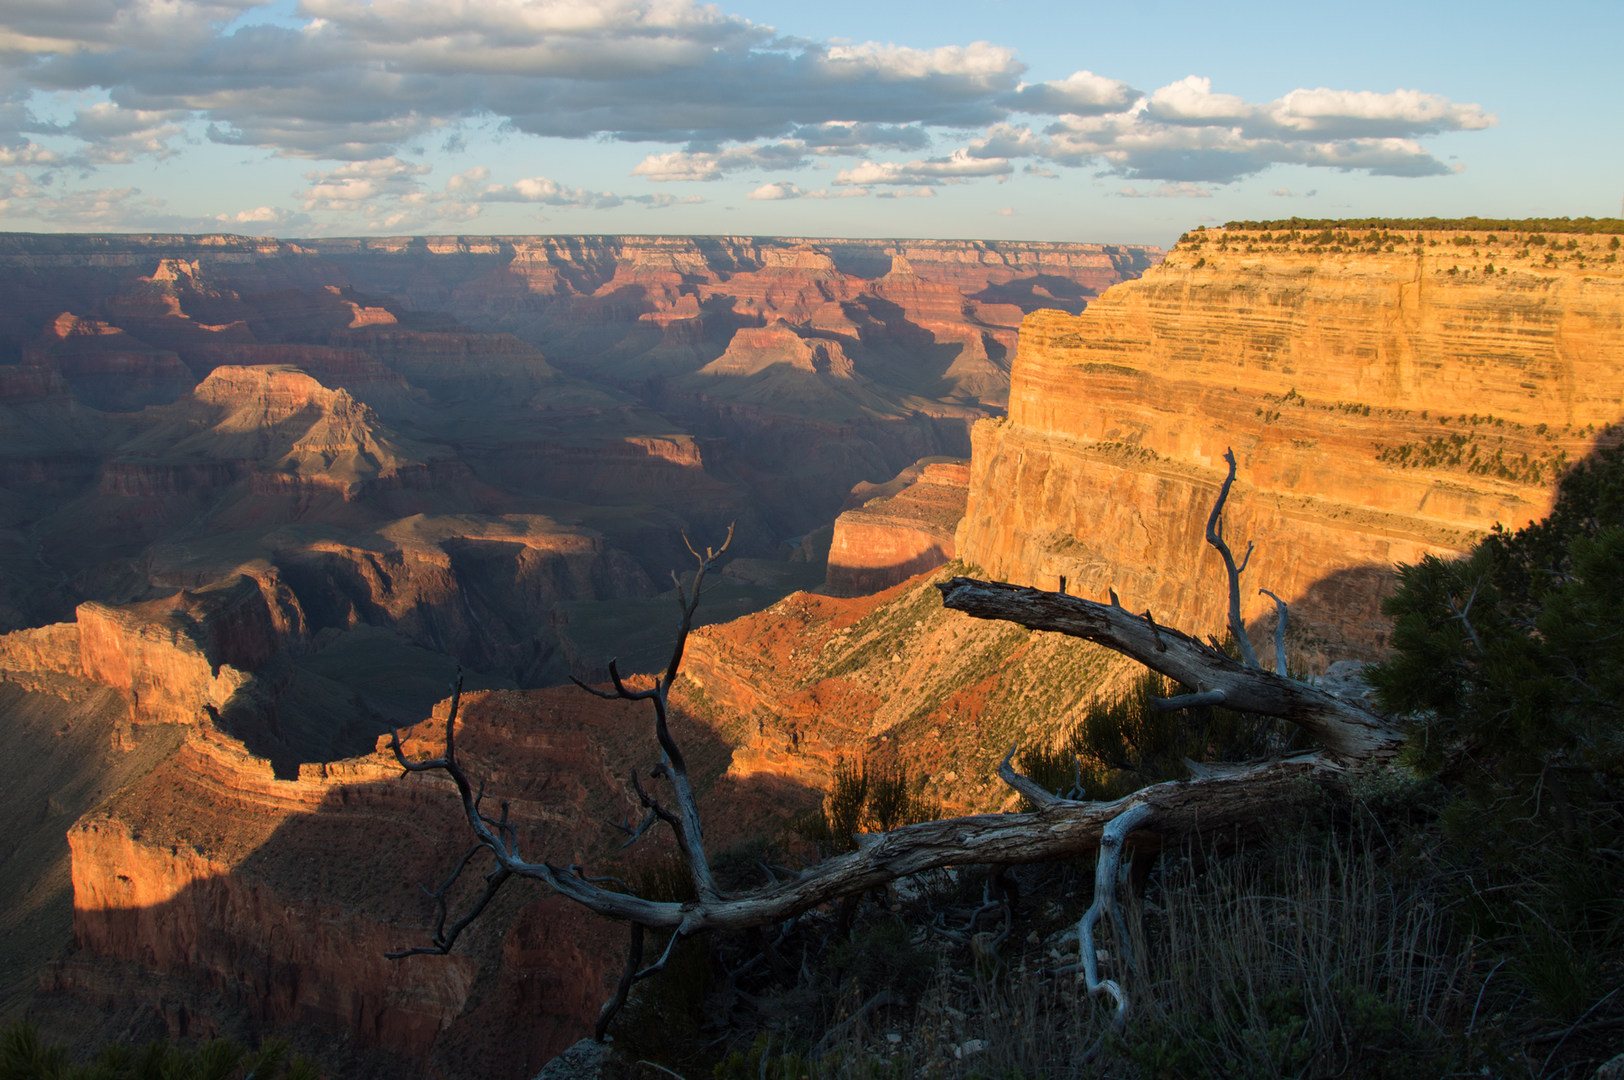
{"points": [[1215, 537], [1280, 613]]}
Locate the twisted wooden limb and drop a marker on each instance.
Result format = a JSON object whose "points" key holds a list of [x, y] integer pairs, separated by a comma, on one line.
{"points": [[685, 823], [1216, 797], [1107, 903], [1280, 613], [1347, 732], [1215, 537]]}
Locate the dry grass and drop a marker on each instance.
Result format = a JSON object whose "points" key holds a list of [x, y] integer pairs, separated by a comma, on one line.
{"points": [[1312, 959]]}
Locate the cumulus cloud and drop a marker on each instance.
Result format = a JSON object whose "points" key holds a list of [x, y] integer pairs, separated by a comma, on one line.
{"points": [[113, 135], [834, 137], [773, 192], [349, 187], [549, 192], [960, 165], [704, 165], [1167, 191], [97, 208], [259, 215], [778, 192], [28, 152], [1185, 132], [363, 75], [1081, 94]]}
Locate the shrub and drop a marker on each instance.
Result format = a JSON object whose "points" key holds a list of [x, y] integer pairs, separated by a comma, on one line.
{"points": [[1510, 664]]}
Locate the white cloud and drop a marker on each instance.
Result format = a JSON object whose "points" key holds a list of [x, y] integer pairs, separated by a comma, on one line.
{"points": [[772, 192], [1184, 132], [260, 215], [703, 165], [549, 192], [981, 61], [367, 81], [916, 193], [1081, 93], [347, 188], [363, 76], [1008, 211], [1167, 191], [468, 180], [960, 165], [1191, 101], [27, 153], [113, 135]]}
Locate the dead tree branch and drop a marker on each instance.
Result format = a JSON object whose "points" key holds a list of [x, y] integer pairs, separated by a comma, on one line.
{"points": [[1280, 613], [1347, 732], [1215, 537], [1107, 903]]}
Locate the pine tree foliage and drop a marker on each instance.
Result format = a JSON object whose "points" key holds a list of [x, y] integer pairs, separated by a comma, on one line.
{"points": [[1510, 664]]}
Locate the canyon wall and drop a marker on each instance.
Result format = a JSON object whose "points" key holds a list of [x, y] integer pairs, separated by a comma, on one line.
{"points": [[1385, 400], [898, 533], [279, 898]]}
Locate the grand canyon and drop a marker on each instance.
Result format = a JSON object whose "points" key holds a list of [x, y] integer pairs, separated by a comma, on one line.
{"points": [[264, 499]]}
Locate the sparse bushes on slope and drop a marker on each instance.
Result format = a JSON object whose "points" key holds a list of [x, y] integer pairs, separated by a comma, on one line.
{"points": [[863, 796], [23, 1056]]}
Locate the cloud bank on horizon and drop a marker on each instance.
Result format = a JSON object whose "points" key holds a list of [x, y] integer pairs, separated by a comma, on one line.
{"points": [[371, 94]]}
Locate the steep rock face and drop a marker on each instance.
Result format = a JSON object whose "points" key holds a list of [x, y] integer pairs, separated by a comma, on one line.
{"points": [[158, 664], [892, 537], [280, 897], [1354, 388], [178, 660], [162, 874]]}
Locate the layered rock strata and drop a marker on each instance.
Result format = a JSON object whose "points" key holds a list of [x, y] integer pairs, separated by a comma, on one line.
{"points": [[1383, 405], [893, 536], [281, 897]]}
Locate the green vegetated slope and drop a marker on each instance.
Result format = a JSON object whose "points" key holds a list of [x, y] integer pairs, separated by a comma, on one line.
{"points": [[894, 678]]}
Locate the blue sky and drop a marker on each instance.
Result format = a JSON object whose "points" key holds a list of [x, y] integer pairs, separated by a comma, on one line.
{"points": [[1021, 119]]}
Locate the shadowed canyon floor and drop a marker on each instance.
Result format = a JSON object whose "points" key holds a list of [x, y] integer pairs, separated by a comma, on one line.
{"points": [[263, 498]]}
